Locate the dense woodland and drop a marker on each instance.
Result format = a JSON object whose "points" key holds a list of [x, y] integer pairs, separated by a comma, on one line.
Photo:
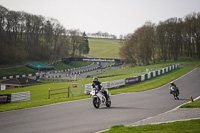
{"points": [[24, 36], [169, 40]]}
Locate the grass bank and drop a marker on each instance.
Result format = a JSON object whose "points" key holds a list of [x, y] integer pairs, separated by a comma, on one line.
{"points": [[195, 104], [104, 48], [191, 126]]}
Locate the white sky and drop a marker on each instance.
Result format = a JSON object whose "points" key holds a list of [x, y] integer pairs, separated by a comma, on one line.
{"points": [[112, 16]]}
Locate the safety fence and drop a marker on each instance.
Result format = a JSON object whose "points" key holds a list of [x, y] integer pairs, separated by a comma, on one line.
{"points": [[66, 90], [15, 97], [133, 80]]}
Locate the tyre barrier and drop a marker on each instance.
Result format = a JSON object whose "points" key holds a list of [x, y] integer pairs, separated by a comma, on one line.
{"points": [[17, 76]]}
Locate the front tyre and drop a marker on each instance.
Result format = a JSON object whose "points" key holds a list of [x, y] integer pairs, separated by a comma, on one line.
{"points": [[96, 102]]}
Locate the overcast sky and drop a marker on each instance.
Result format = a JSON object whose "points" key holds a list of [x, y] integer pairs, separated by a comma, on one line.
{"points": [[112, 16]]}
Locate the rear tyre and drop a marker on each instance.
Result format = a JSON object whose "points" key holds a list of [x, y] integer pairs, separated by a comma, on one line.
{"points": [[174, 94], [108, 104], [177, 95], [96, 102]]}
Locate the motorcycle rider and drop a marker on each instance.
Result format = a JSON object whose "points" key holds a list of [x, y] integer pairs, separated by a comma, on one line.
{"points": [[97, 84], [172, 84]]}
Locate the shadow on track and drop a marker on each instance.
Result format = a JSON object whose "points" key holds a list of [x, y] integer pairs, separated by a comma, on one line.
{"points": [[118, 108]]}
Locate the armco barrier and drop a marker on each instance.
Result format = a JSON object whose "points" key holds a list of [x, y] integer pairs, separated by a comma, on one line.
{"points": [[132, 80]]}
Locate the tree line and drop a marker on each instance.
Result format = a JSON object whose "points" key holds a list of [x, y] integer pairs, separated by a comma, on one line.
{"points": [[24, 36], [170, 39], [100, 34]]}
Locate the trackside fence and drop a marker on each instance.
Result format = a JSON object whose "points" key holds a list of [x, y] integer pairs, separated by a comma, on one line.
{"points": [[72, 89], [58, 91]]}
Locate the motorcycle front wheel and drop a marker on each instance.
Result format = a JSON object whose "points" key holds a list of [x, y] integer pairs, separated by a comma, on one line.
{"points": [[96, 102]]}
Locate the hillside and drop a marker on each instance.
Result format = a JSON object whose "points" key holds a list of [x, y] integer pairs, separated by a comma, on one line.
{"points": [[104, 48]]}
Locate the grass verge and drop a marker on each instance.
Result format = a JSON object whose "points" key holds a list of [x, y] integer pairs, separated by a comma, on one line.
{"points": [[191, 126], [195, 104]]}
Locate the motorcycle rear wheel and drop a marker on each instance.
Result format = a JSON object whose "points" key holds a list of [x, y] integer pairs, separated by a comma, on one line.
{"points": [[175, 95], [108, 104]]}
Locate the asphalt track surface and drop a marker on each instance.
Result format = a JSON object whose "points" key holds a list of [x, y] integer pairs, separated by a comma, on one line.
{"points": [[81, 117]]}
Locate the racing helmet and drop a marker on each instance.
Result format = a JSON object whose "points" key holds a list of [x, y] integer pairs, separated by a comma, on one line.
{"points": [[95, 79], [172, 83]]}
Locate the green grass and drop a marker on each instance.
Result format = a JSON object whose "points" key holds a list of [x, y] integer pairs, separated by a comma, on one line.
{"points": [[192, 126], [195, 104], [104, 48], [74, 64], [16, 71], [39, 96]]}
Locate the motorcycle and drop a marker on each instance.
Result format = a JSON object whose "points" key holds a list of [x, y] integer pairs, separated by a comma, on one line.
{"points": [[174, 92], [99, 98]]}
